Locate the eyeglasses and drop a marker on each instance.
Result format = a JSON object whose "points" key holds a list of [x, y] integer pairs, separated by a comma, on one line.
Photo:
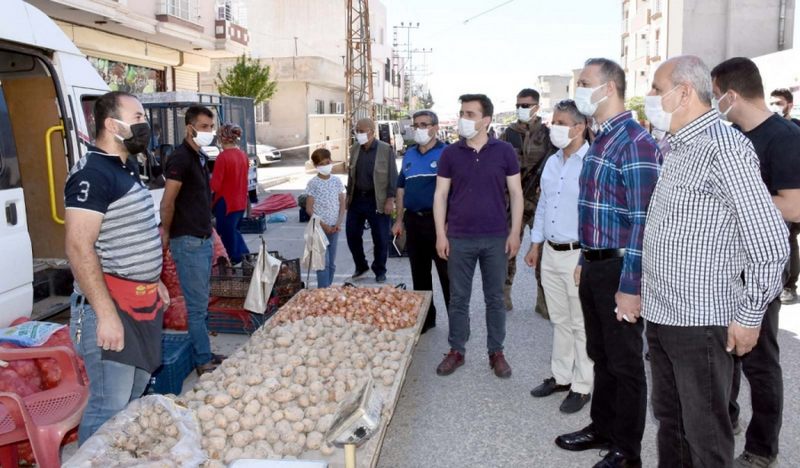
{"points": [[422, 125], [526, 106]]}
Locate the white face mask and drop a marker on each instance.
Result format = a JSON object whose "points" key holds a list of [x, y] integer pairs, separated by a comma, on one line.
{"points": [[362, 138], [326, 169], [466, 128], [583, 100], [559, 136], [525, 115], [655, 113], [421, 136], [203, 138], [715, 104], [776, 109]]}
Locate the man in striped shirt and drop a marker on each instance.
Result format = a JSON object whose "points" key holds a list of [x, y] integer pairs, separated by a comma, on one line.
{"points": [[714, 250], [618, 175], [114, 249]]}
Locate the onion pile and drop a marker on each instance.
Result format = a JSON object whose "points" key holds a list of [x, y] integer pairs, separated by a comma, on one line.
{"points": [[387, 308], [277, 395]]}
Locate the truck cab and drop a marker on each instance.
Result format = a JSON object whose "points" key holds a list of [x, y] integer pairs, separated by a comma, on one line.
{"points": [[47, 92]]}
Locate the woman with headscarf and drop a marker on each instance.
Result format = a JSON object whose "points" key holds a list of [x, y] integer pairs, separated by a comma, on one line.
{"points": [[229, 186]]}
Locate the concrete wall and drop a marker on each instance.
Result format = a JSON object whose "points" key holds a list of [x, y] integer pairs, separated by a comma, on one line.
{"points": [[553, 88]]}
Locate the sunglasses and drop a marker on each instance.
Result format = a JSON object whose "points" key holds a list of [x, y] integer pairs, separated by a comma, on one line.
{"points": [[526, 106]]}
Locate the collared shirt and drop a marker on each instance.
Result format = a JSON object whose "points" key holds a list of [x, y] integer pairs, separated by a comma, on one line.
{"points": [[556, 217], [714, 243], [477, 200], [418, 177], [193, 203], [365, 167], [619, 173]]}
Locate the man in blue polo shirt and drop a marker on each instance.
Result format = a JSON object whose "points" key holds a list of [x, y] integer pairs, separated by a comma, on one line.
{"points": [[415, 187], [471, 227]]}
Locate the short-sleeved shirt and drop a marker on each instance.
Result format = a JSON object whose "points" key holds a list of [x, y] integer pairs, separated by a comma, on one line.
{"points": [[128, 245], [418, 177], [777, 144], [326, 198], [477, 200], [193, 204]]}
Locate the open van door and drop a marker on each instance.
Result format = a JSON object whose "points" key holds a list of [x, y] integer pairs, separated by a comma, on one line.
{"points": [[16, 284]]}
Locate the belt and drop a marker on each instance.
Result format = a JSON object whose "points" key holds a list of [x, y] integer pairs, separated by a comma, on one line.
{"points": [[364, 193], [421, 213], [595, 255], [565, 247]]}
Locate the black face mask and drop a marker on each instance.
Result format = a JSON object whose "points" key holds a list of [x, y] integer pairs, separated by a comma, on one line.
{"points": [[139, 139]]}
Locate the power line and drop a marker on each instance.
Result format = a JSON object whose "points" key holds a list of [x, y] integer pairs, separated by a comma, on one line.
{"points": [[487, 11]]}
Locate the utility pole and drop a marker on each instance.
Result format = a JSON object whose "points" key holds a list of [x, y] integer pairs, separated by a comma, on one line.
{"points": [[407, 66], [358, 68]]}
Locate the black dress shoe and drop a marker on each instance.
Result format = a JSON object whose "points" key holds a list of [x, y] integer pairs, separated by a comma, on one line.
{"points": [[574, 402], [585, 439], [616, 459], [548, 387]]}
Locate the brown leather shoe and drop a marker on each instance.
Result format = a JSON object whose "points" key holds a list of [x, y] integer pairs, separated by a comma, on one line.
{"points": [[452, 361], [218, 358], [497, 361]]}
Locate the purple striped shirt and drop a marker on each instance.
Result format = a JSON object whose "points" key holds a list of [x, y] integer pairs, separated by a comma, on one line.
{"points": [[619, 174]]}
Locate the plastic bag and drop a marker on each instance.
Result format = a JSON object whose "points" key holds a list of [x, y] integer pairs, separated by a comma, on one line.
{"points": [[99, 449], [264, 275], [316, 243], [29, 333]]}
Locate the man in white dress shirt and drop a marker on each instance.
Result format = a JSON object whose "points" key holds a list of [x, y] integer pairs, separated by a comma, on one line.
{"points": [[555, 237]]}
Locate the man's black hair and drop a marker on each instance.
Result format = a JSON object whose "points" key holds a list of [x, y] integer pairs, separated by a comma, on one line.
{"points": [[107, 106], [487, 108], [741, 75], [783, 93], [529, 92], [195, 111], [611, 71]]}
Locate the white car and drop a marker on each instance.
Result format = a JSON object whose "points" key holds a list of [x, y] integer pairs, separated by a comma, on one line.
{"points": [[267, 154]]}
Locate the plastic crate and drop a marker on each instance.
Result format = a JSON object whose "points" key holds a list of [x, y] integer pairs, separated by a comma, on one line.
{"points": [[255, 225], [227, 315], [176, 364]]}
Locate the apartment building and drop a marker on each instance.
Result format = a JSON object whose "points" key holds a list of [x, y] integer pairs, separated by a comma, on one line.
{"points": [[714, 30], [552, 89]]}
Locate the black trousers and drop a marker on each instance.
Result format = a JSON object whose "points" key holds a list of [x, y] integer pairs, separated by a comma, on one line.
{"points": [[762, 367], [691, 371], [619, 403], [421, 249], [794, 256]]}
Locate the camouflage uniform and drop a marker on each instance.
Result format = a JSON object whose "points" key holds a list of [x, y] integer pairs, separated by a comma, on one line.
{"points": [[532, 143]]}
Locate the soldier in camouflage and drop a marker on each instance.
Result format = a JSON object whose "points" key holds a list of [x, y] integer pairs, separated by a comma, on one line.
{"points": [[531, 139]]}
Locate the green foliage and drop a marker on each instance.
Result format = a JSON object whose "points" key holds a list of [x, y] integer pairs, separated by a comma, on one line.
{"points": [[248, 78], [427, 101], [636, 103]]}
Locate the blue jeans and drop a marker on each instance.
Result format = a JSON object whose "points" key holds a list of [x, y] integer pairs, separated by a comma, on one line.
{"points": [[490, 254], [361, 210], [112, 385], [193, 261], [228, 230], [325, 277]]}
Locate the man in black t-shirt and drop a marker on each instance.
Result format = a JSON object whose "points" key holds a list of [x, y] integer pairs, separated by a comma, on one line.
{"points": [[781, 101], [186, 228], [739, 96]]}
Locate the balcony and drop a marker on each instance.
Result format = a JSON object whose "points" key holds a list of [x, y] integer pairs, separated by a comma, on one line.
{"points": [[226, 30], [180, 12]]}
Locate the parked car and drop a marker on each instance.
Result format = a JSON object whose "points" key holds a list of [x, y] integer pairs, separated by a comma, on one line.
{"points": [[267, 154]]}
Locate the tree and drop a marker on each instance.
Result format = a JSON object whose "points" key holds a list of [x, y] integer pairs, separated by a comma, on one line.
{"points": [[248, 78], [636, 103], [427, 101]]}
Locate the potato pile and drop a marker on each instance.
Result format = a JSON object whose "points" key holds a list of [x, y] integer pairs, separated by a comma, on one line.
{"points": [[388, 308], [276, 396]]}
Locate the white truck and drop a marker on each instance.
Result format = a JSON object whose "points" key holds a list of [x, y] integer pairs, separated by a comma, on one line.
{"points": [[47, 91]]}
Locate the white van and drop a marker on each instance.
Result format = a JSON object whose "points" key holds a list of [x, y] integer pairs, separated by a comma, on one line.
{"points": [[47, 92]]}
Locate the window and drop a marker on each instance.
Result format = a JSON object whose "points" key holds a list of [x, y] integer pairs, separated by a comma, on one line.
{"points": [[387, 70], [332, 107], [9, 162], [320, 106], [183, 9], [657, 49], [262, 112]]}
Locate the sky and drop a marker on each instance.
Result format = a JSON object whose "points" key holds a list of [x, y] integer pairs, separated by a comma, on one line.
{"points": [[502, 51]]}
